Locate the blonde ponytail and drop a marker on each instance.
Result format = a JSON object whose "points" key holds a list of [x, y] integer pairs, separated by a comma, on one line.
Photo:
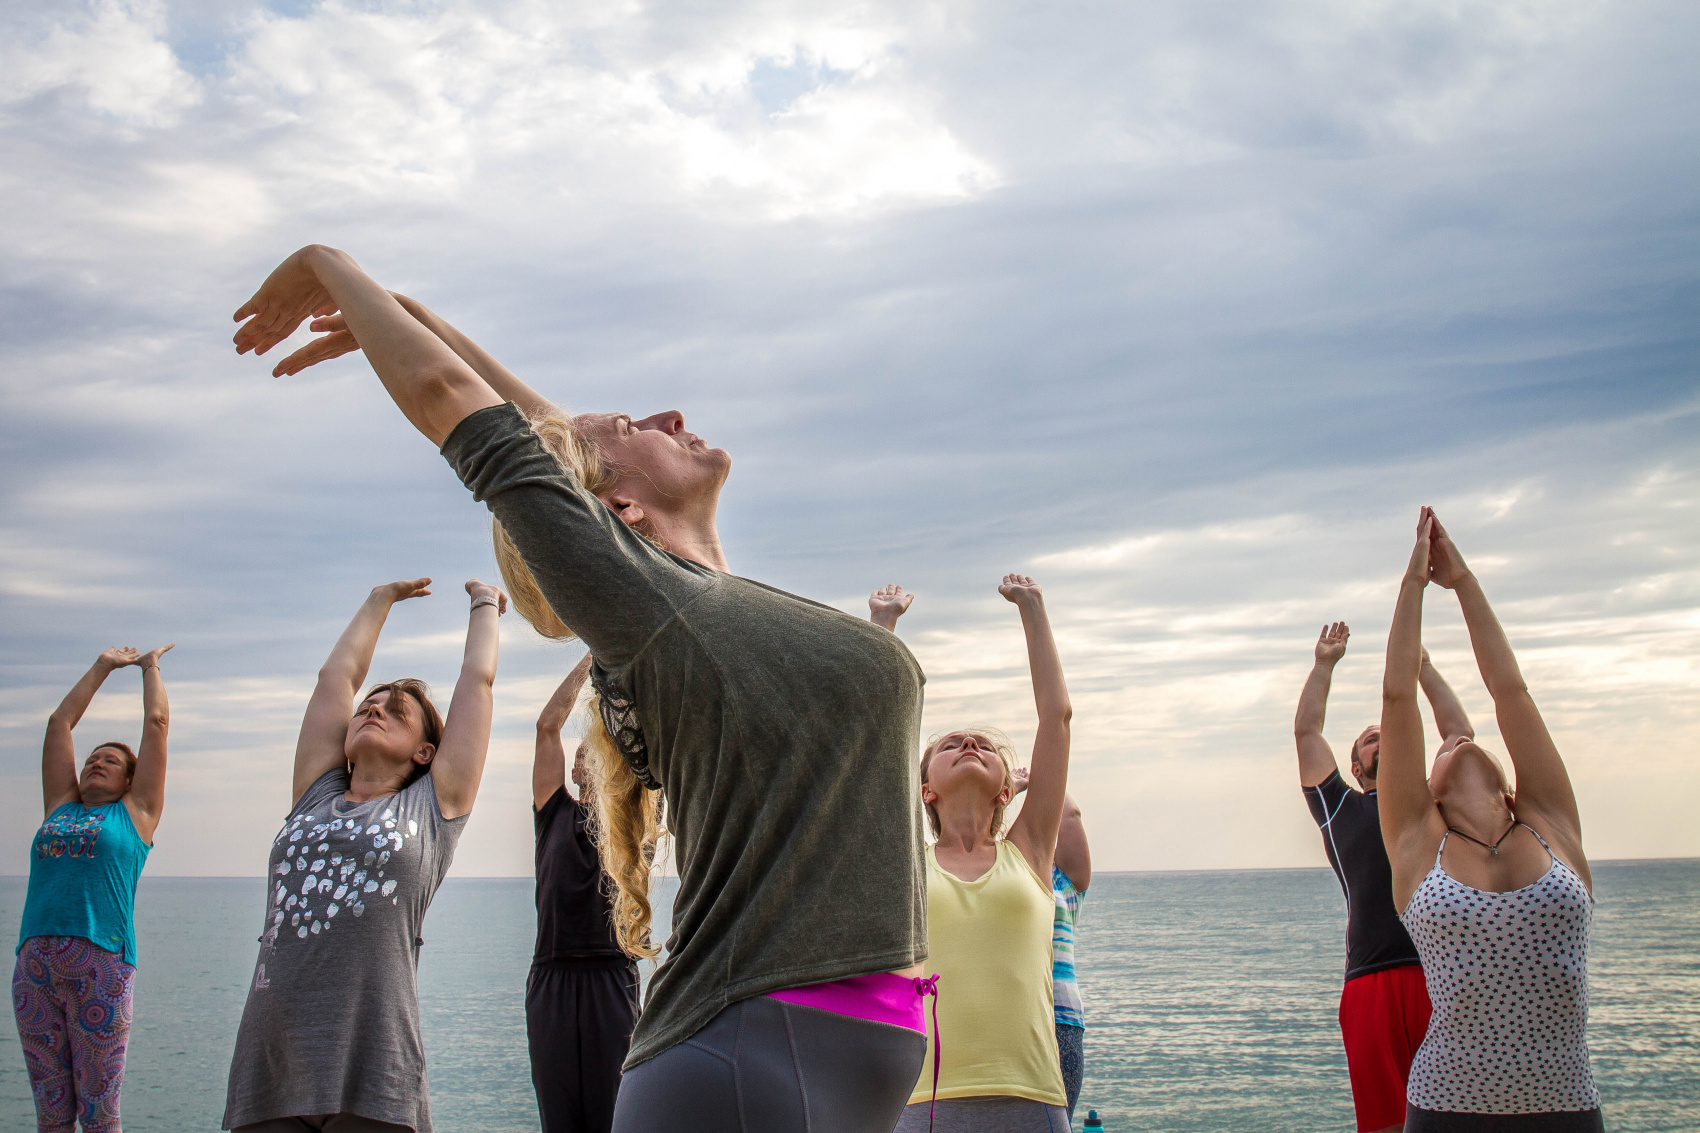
{"points": [[627, 827], [626, 819]]}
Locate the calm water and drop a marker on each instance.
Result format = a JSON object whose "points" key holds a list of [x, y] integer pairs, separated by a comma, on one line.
{"points": [[1210, 996]]}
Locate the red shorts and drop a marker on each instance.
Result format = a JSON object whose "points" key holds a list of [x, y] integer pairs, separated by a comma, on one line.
{"points": [[1383, 1018]]}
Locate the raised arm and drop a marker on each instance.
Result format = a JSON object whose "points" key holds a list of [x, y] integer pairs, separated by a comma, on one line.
{"points": [[1410, 824], [549, 763], [458, 766], [1316, 758], [324, 729], [147, 788], [58, 750], [1450, 719], [337, 340], [428, 381], [1034, 831], [1074, 853], [1543, 784], [887, 604]]}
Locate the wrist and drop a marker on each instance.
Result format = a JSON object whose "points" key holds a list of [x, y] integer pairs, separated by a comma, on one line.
{"points": [[485, 600]]}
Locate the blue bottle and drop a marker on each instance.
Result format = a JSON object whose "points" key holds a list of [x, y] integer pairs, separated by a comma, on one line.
{"points": [[1093, 1125]]}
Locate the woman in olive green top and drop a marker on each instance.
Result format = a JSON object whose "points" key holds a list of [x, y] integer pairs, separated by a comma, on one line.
{"points": [[781, 731]]}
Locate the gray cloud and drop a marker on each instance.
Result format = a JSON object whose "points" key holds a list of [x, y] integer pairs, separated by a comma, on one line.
{"points": [[1186, 307]]}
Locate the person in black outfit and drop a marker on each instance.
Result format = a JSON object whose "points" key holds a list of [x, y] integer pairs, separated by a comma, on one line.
{"points": [[581, 999], [1384, 1006]]}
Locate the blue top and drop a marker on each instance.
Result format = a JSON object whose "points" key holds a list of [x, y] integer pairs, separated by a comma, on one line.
{"points": [[84, 865], [1070, 1011]]}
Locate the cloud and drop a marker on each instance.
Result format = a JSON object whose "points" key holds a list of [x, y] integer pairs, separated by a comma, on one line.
{"points": [[1186, 308]]}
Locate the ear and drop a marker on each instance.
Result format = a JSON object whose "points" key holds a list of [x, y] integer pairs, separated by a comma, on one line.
{"points": [[1357, 770], [425, 754], [631, 513], [929, 796]]}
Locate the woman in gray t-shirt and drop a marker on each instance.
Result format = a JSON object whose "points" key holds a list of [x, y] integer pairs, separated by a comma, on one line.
{"points": [[382, 792]]}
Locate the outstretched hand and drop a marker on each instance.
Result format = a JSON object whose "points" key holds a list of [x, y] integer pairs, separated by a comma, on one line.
{"points": [[1019, 588], [336, 341], [150, 659], [888, 603], [1417, 570], [402, 591], [476, 590], [119, 656], [1446, 565], [289, 295], [1331, 645]]}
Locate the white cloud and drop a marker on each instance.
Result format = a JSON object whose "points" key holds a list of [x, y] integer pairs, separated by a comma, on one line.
{"points": [[110, 56]]}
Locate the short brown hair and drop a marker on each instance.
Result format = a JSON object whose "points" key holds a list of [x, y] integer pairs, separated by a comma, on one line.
{"points": [[123, 748], [431, 721]]}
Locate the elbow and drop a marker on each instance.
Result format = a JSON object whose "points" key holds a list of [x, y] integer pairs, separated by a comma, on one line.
{"points": [[158, 719]]}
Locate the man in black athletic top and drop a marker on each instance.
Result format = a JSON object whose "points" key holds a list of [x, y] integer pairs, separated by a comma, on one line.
{"points": [[1384, 1006], [581, 999]]}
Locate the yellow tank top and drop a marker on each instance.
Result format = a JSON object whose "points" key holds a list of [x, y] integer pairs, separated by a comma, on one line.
{"points": [[990, 942]]}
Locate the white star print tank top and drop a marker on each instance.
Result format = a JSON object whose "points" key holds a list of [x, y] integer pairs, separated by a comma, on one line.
{"points": [[1508, 977]]}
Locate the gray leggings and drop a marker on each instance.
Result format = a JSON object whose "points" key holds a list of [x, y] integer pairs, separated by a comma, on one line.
{"points": [[766, 1066]]}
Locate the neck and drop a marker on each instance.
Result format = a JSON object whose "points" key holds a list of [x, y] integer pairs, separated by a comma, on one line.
{"points": [[964, 824], [693, 535], [1484, 821], [370, 780]]}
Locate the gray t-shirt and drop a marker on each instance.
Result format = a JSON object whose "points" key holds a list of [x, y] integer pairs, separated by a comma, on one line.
{"points": [[783, 732], [332, 1020]]}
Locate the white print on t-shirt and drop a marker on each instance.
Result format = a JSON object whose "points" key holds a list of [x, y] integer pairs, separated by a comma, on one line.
{"points": [[327, 869]]}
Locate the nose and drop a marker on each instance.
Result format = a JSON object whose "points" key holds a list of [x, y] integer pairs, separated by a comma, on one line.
{"points": [[669, 421]]}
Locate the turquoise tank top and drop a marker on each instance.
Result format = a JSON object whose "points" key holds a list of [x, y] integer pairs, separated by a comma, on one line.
{"points": [[84, 865]]}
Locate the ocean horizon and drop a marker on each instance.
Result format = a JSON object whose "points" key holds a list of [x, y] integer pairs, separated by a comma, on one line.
{"points": [[1210, 998]]}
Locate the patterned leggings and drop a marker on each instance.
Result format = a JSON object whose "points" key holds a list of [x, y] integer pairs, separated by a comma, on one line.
{"points": [[72, 1001]]}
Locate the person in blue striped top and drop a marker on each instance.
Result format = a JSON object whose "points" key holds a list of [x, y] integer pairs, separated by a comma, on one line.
{"points": [[1071, 873]]}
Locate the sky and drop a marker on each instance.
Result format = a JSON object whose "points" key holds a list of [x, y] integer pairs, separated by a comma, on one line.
{"points": [[1183, 307]]}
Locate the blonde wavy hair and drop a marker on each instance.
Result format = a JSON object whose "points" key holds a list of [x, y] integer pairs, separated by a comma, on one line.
{"points": [[1006, 755], [626, 818]]}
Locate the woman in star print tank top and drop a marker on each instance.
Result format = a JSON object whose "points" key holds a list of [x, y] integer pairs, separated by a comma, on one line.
{"points": [[382, 791], [1493, 886]]}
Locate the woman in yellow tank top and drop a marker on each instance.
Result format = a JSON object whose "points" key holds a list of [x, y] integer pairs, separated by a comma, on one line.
{"points": [[990, 908]]}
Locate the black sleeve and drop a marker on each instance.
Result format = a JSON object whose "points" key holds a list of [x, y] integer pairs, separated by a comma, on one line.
{"points": [[544, 816], [608, 584], [1325, 798]]}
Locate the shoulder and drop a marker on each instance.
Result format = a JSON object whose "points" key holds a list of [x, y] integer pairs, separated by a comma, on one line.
{"points": [[332, 783], [1327, 797]]}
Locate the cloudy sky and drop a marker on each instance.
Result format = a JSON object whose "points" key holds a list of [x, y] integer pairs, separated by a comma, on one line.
{"points": [[1184, 307]]}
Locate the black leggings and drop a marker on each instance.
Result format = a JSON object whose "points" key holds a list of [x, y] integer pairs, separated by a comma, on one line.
{"points": [[766, 1066], [1568, 1121]]}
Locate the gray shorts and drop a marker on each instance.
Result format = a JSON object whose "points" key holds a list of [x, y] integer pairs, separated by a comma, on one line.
{"points": [[767, 1066], [323, 1123], [985, 1115]]}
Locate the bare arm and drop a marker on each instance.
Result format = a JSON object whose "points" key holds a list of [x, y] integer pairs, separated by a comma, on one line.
{"points": [[338, 340], [58, 750], [458, 767], [1543, 784], [428, 381], [147, 788], [324, 729], [887, 604], [549, 763], [1074, 853], [1034, 831], [1449, 715], [1410, 824], [1316, 758]]}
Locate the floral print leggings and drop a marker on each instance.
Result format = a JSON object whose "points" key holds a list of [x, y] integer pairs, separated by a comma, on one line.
{"points": [[73, 1002]]}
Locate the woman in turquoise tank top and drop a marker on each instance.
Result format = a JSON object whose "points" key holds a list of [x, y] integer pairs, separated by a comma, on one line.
{"points": [[76, 966], [990, 908]]}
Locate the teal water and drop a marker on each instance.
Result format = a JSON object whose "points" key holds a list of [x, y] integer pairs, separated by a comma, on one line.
{"points": [[1210, 1000]]}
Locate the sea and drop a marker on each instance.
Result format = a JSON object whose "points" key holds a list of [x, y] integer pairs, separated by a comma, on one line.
{"points": [[1210, 998]]}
